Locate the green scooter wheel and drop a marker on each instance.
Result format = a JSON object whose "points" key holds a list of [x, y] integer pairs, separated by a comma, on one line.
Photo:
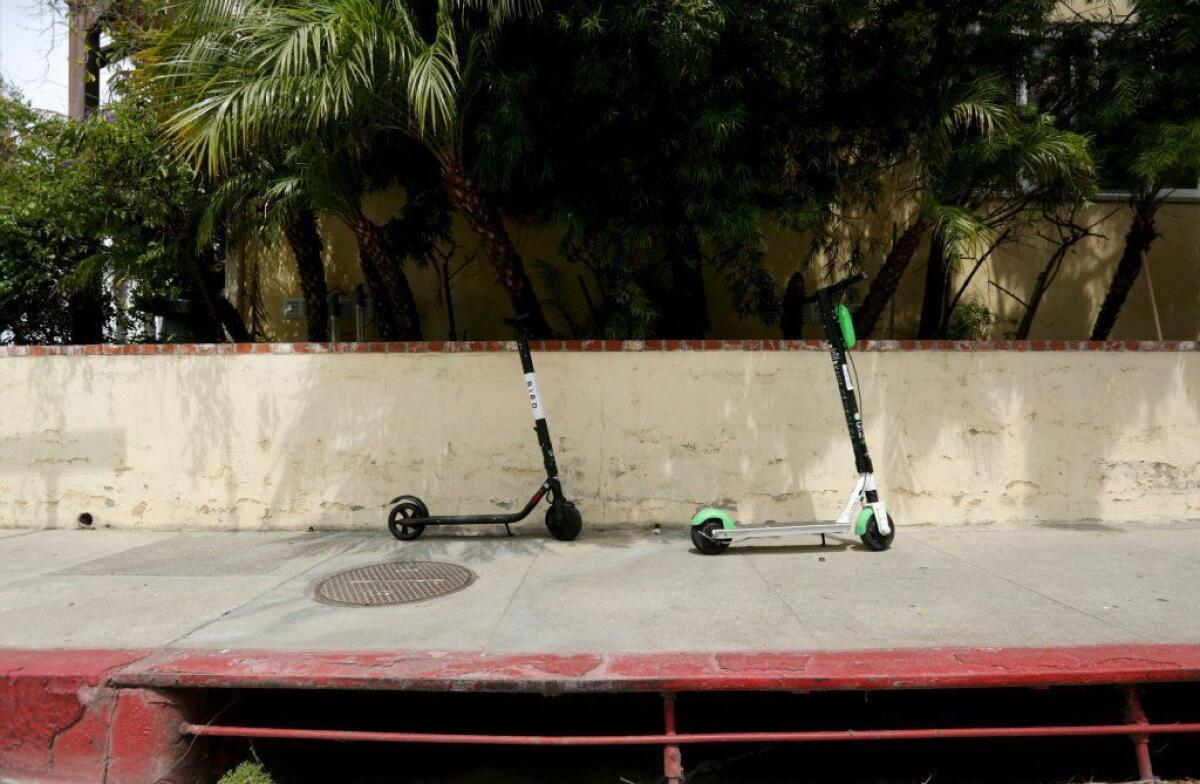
{"points": [[875, 540], [705, 543]]}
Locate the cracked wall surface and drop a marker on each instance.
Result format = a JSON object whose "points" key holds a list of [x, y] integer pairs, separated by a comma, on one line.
{"points": [[293, 441]]}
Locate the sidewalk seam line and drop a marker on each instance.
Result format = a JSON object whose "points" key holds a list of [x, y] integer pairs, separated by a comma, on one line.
{"points": [[487, 641], [254, 598], [784, 602], [1036, 592], [24, 532]]}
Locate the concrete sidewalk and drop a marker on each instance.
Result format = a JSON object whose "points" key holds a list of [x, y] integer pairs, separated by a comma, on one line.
{"points": [[1037, 585]]}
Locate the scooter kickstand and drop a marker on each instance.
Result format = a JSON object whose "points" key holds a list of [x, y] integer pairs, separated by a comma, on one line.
{"points": [[822, 540], [507, 529]]}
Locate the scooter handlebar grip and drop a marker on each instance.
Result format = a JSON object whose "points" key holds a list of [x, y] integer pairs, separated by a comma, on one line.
{"points": [[837, 288], [519, 321]]}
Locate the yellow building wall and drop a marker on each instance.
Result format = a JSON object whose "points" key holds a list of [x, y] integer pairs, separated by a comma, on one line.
{"points": [[266, 276]]}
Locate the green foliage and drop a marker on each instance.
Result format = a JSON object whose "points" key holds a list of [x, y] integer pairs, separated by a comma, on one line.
{"points": [[247, 773], [1131, 82], [81, 205], [992, 164], [233, 77], [664, 138], [971, 321], [341, 81], [667, 138]]}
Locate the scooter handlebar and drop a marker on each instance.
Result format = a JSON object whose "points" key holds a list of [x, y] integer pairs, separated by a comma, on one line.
{"points": [[837, 288]]}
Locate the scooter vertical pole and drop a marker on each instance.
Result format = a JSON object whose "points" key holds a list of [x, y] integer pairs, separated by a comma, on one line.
{"points": [[841, 371], [539, 412]]}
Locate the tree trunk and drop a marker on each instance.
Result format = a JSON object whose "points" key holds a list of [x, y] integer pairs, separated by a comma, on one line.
{"points": [[484, 219], [448, 293], [791, 318], [300, 228], [230, 320], [396, 313], [1137, 242], [1035, 300], [683, 309], [933, 305], [223, 314], [883, 288], [87, 315]]}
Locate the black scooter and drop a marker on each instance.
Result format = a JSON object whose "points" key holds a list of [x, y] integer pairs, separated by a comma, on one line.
{"points": [[410, 516]]}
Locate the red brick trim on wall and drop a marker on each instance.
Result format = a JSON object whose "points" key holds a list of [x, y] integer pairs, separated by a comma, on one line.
{"points": [[478, 346]]}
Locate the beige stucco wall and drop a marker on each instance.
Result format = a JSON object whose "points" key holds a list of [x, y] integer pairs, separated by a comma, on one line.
{"points": [[292, 441]]}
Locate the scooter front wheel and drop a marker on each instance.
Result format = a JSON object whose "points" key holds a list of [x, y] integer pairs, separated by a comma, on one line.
{"points": [[875, 540], [404, 511], [564, 521], [704, 541]]}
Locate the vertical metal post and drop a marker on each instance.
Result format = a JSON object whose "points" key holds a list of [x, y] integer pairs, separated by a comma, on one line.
{"points": [[1135, 714], [672, 757], [335, 317], [360, 313], [1153, 300]]}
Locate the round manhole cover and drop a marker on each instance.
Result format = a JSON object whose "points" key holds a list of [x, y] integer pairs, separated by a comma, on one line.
{"points": [[399, 582]]}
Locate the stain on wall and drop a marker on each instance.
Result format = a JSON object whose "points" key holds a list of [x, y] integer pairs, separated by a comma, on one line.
{"points": [[291, 441]]}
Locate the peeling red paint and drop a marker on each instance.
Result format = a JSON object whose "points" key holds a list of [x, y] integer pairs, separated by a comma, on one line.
{"points": [[59, 721], [145, 743], [819, 670], [103, 716]]}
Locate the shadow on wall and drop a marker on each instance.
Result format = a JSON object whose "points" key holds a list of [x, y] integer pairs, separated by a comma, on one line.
{"points": [[288, 442], [60, 456], [647, 437], [1072, 303], [54, 475], [453, 429], [1030, 439], [1067, 313]]}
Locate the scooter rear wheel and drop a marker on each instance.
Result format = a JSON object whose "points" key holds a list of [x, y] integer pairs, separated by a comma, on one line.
{"points": [[407, 510], [875, 540], [702, 538], [564, 521]]}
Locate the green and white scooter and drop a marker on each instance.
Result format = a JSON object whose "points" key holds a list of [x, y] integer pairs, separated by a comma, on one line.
{"points": [[714, 529]]}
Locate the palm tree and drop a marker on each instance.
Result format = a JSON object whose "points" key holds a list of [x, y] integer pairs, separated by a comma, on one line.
{"points": [[335, 180], [280, 194], [252, 200], [1128, 76], [237, 74], [1001, 183], [966, 110], [1148, 126], [977, 175]]}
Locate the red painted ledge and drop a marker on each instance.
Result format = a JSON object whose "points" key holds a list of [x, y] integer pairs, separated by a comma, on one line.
{"points": [[59, 721], [100, 715], [881, 669], [484, 346]]}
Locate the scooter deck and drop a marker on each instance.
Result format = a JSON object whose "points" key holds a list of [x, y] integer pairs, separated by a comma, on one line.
{"points": [[784, 529]]}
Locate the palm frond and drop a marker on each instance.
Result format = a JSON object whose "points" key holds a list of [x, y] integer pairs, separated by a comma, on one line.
{"points": [[980, 109], [235, 74], [959, 229]]}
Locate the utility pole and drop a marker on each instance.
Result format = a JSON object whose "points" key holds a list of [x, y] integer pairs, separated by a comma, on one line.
{"points": [[85, 57]]}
